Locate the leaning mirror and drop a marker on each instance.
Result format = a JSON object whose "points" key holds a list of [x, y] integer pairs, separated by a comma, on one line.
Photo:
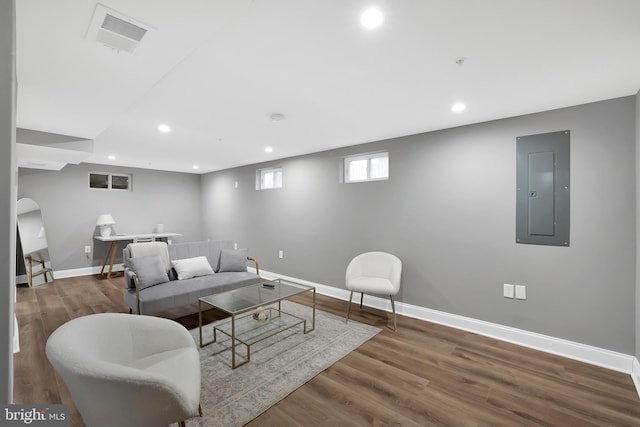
{"points": [[33, 241]]}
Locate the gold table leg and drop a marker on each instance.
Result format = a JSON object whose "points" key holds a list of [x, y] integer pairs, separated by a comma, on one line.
{"points": [[113, 248]]}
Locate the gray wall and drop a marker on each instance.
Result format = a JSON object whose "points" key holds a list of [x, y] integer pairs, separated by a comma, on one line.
{"points": [[70, 208], [8, 195], [448, 212]]}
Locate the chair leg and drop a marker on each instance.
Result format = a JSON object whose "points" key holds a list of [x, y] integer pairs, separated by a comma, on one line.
{"points": [[361, 298], [181, 424], [349, 307], [43, 267], [393, 307], [199, 409], [29, 266]]}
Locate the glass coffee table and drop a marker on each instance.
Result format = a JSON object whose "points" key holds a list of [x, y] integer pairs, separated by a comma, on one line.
{"points": [[242, 303]]}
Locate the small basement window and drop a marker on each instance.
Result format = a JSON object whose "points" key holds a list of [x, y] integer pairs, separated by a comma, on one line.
{"points": [[366, 167], [269, 178], [109, 181]]}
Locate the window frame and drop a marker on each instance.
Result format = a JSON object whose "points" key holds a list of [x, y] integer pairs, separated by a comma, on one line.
{"points": [[260, 174], [110, 176], [346, 160]]}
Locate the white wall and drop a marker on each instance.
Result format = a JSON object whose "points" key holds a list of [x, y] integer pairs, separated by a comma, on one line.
{"points": [[8, 195], [637, 299]]}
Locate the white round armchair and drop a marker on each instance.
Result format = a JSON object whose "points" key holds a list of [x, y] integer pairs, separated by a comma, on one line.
{"points": [[375, 273], [126, 370]]}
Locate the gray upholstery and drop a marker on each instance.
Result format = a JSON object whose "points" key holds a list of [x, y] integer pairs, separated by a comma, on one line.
{"points": [[233, 260], [210, 249], [176, 293], [149, 269]]}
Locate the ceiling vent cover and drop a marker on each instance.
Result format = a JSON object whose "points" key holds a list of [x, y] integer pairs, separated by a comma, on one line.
{"points": [[115, 30]]}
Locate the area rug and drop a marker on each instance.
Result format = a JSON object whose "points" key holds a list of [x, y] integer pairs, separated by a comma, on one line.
{"points": [[279, 365]]}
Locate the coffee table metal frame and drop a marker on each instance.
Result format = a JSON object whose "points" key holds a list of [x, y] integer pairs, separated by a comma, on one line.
{"points": [[240, 305]]}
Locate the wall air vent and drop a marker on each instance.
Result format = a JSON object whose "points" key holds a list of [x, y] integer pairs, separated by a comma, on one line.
{"points": [[115, 30]]}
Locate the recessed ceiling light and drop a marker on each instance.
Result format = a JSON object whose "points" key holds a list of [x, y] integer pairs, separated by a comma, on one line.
{"points": [[164, 128], [112, 157], [371, 18], [276, 117], [458, 107], [196, 167], [268, 149]]}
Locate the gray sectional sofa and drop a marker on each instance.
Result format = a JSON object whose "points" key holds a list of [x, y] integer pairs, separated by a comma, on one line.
{"points": [[152, 283]]}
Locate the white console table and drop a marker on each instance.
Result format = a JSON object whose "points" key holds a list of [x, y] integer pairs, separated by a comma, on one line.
{"points": [[113, 240]]}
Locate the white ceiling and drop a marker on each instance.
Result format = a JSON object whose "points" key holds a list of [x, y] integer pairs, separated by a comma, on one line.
{"points": [[214, 70]]}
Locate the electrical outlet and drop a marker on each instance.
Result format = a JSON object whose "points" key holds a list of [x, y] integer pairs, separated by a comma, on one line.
{"points": [[87, 249], [521, 292], [280, 254], [235, 246], [508, 291]]}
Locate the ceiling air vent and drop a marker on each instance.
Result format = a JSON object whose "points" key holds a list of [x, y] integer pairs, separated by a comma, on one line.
{"points": [[115, 30]]}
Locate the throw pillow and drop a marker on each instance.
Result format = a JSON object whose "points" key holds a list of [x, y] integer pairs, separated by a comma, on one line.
{"points": [[233, 260], [149, 270], [192, 267]]}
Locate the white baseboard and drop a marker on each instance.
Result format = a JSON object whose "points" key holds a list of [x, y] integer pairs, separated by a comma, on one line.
{"points": [[76, 272], [87, 271], [561, 347], [635, 374]]}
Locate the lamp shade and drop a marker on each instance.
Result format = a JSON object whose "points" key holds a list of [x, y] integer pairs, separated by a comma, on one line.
{"points": [[105, 219]]}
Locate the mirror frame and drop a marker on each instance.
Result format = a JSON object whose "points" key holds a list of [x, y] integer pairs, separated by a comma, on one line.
{"points": [[33, 240]]}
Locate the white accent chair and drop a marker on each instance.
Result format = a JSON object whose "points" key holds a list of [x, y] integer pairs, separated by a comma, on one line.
{"points": [[125, 370], [374, 273]]}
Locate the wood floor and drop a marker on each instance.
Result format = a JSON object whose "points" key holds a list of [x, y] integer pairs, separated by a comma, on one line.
{"points": [[424, 374]]}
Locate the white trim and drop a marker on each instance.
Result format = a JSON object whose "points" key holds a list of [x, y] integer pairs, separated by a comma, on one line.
{"points": [[561, 347], [260, 173], [110, 176], [635, 374], [585, 353], [346, 166], [87, 271], [16, 335]]}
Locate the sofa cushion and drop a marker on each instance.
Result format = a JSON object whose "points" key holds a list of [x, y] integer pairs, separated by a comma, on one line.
{"points": [[215, 247], [149, 270], [233, 260], [149, 249], [172, 294], [211, 249], [192, 267]]}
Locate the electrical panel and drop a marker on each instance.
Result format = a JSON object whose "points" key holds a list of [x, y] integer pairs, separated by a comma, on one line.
{"points": [[542, 198]]}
